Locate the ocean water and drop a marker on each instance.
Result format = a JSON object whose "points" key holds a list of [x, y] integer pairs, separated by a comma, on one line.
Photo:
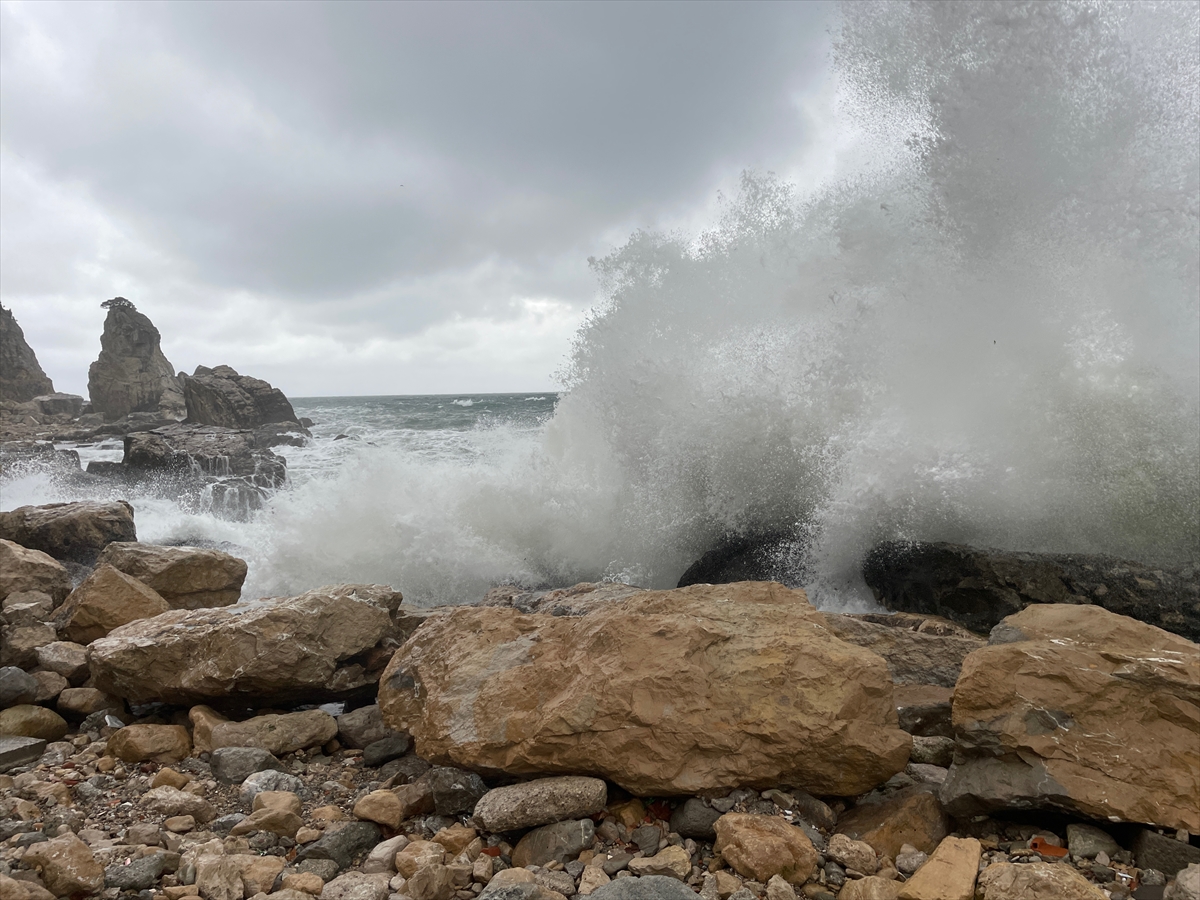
{"points": [[983, 327]]}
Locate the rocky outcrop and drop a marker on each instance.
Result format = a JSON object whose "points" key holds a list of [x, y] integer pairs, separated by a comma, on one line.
{"points": [[977, 588], [703, 687], [220, 396], [206, 450], [132, 374], [1078, 709], [324, 644], [21, 378], [185, 577], [758, 556], [69, 531]]}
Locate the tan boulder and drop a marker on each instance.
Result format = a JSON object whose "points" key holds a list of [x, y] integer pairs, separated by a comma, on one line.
{"points": [[1035, 881], [150, 743], [68, 867], [759, 847], [949, 874], [12, 889], [418, 855], [707, 686], [67, 658], [85, 701], [258, 872], [275, 733], [270, 651], [870, 888], [204, 719], [456, 838], [852, 854], [186, 577], [282, 800], [25, 720], [72, 531], [541, 802], [19, 644], [106, 600], [169, 801], [23, 569], [382, 807], [282, 822], [1030, 710], [910, 816], [673, 862]]}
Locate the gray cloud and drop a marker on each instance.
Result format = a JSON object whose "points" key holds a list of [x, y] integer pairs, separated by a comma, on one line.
{"points": [[371, 168]]}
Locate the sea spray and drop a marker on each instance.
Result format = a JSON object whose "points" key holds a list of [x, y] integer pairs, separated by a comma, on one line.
{"points": [[984, 328]]}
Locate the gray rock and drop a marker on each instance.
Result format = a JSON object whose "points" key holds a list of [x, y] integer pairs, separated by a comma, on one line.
{"points": [[932, 751], [559, 842], [512, 892], [139, 875], [223, 824], [269, 780], [70, 531], [361, 727], [66, 658], [384, 750], [560, 881], [454, 791], [357, 886], [342, 845], [617, 860], [1087, 840], [327, 869], [647, 837], [233, 765], [16, 686], [813, 810], [541, 802], [19, 751], [1163, 852], [649, 887], [220, 396], [131, 374], [21, 378], [692, 819]]}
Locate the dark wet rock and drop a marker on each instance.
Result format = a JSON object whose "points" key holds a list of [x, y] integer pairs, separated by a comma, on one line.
{"points": [[233, 765], [1163, 852], [137, 875], [205, 450], [768, 556], [342, 845], [17, 750], [924, 709], [560, 842], [69, 531], [16, 687], [918, 649], [220, 396], [695, 820], [977, 588], [132, 374], [454, 791], [386, 749], [21, 378]]}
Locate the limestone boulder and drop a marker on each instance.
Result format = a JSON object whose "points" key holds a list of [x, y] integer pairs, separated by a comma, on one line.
{"points": [[324, 644], [163, 744], [702, 687], [920, 650], [1035, 881], [978, 587], [1078, 709], [185, 577], [131, 374], [106, 599], [949, 874], [761, 847], [277, 734], [21, 377], [68, 867], [25, 720], [76, 532], [23, 569]]}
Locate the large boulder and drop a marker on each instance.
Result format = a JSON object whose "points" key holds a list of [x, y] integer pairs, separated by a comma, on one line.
{"points": [[1078, 709], [69, 531], [220, 396], [664, 692], [185, 577], [207, 449], [977, 588], [21, 378], [23, 569], [328, 643], [131, 374], [106, 600], [918, 649]]}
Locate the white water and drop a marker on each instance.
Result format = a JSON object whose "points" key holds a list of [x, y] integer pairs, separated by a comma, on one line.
{"points": [[984, 330]]}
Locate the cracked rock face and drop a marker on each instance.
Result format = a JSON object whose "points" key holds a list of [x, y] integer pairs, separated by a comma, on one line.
{"points": [[21, 377], [702, 687], [132, 374], [1078, 709]]}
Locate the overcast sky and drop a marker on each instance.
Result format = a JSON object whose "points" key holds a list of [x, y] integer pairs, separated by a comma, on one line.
{"points": [[374, 198]]}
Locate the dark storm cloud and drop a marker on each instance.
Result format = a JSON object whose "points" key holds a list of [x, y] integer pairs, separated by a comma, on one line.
{"points": [[317, 152]]}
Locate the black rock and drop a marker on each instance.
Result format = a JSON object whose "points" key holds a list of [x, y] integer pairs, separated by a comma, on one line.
{"points": [[1163, 852], [647, 838], [139, 875], [342, 845], [223, 824], [693, 819], [233, 765], [766, 556], [977, 588], [386, 749], [454, 790]]}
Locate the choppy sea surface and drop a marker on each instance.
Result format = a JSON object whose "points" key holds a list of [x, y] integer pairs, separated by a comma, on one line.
{"points": [[983, 327]]}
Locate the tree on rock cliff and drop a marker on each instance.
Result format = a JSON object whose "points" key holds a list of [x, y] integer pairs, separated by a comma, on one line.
{"points": [[131, 373]]}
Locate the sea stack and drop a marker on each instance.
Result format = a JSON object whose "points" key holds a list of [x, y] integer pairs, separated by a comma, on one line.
{"points": [[131, 373], [21, 378]]}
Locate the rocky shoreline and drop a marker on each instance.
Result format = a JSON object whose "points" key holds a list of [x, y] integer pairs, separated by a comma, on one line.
{"points": [[163, 738]]}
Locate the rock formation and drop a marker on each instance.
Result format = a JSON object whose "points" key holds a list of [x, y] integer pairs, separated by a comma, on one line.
{"points": [[714, 685], [1078, 709], [132, 374], [69, 531], [977, 588], [185, 577], [21, 378], [220, 396]]}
